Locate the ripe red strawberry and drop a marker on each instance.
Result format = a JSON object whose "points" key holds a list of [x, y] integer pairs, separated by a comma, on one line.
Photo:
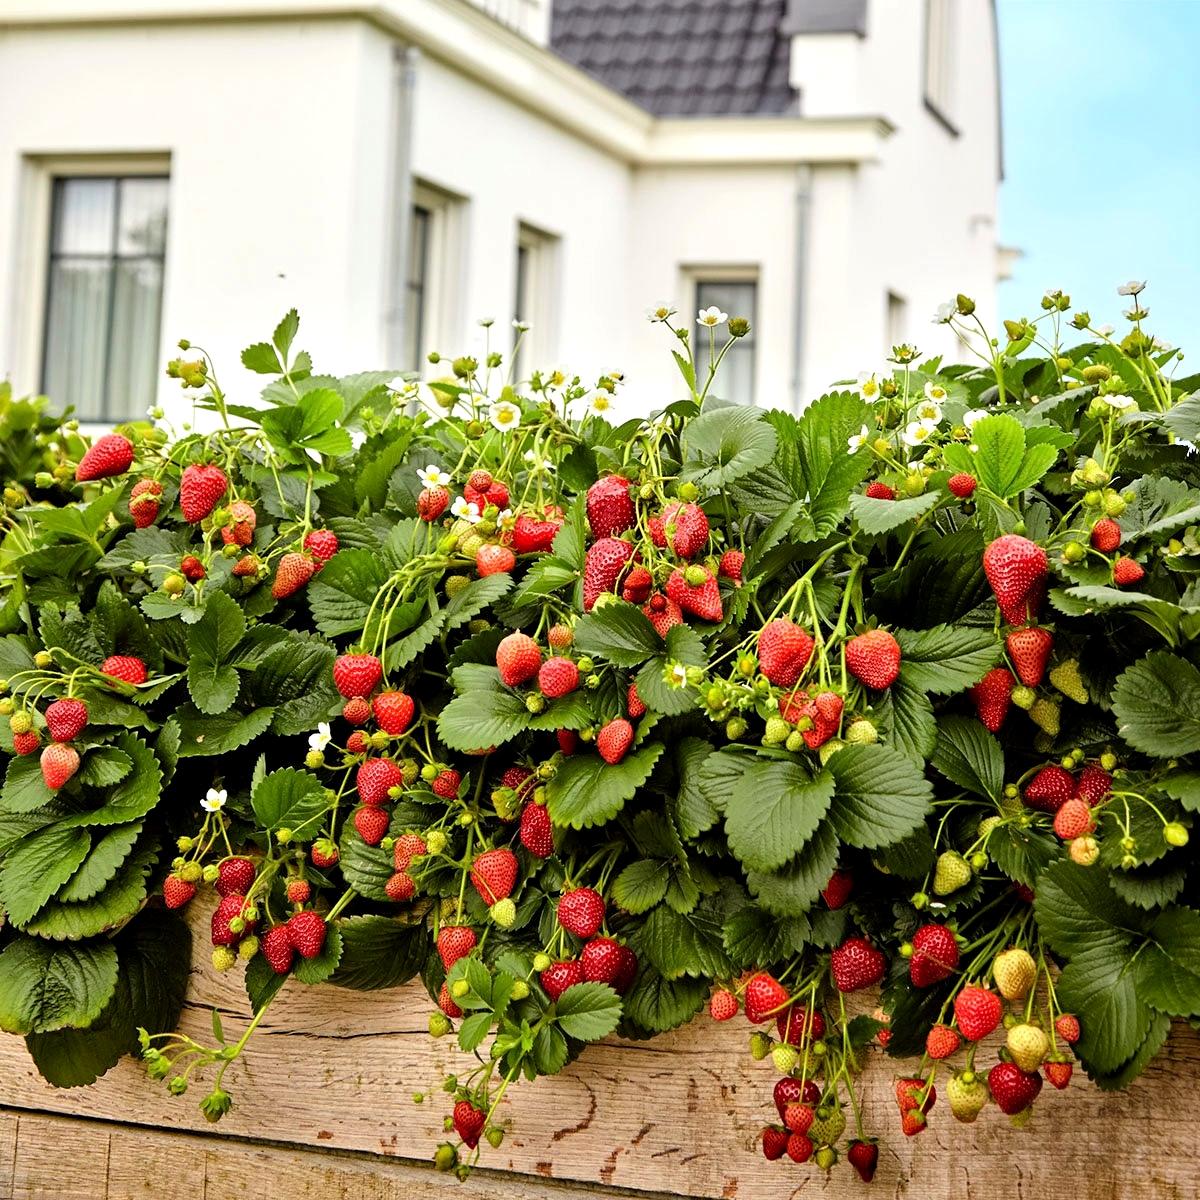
{"points": [[200, 487], [191, 568], [1029, 650], [557, 677], [357, 742], [293, 572], [394, 711], [323, 853], [774, 1142], [1049, 789], [691, 528], [1016, 569], [408, 846], [479, 480], [124, 667], [322, 544], [372, 824], [246, 566], [826, 715], [873, 658], [912, 1122], [497, 494], [864, 1156], [356, 674], [559, 976], [521, 780], [469, 1122], [581, 912], [796, 1025], [1106, 535], [626, 972], [494, 874], [455, 942], [107, 456], [1093, 785], [446, 1002], [702, 599], [1067, 1028], [145, 501], [602, 567], [638, 585], [856, 964], [1059, 1073], [493, 560], [446, 784], [784, 649], [879, 491], [601, 960], [518, 659], [230, 906], [306, 932], [609, 506], [537, 834], [234, 876], [400, 887], [277, 949], [27, 742], [664, 614], [432, 502], [177, 892], [993, 697], [935, 955], [242, 522], [837, 891], [66, 719], [798, 1117], [633, 702], [941, 1042], [1013, 1089], [792, 1091], [764, 997], [722, 1005], [560, 637], [977, 1011], [730, 566], [356, 710], [533, 536], [1073, 820], [1126, 571], [375, 778], [614, 739], [962, 485], [913, 1095], [298, 891], [799, 1147]]}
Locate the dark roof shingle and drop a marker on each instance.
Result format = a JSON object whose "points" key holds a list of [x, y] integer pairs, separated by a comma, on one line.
{"points": [[681, 57]]}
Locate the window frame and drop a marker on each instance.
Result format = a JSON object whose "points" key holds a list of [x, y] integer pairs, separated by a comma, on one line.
{"points": [[30, 285], [938, 82], [542, 251], [440, 320], [744, 274]]}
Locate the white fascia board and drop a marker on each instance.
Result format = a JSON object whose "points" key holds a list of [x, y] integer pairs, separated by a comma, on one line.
{"points": [[470, 41]]}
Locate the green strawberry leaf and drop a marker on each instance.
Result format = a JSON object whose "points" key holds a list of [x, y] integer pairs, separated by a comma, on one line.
{"points": [[882, 516], [289, 799], [135, 795], [618, 633], [588, 791], [588, 1011], [970, 756], [657, 1004], [378, 952], [641, 885], [201, 735], [1157, 704], [793, 889], [109, 851], [677, 944], [723, 444], [773, 811], [1100, 985], [24, 788], [946, 659], [880, 796], [37, 866], [46, 985]]}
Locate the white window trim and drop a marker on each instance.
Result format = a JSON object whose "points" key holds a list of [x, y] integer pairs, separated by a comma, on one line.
{"points": [[445, 270], [693, 276], [939, 64], [539, 345], [31, 277]]}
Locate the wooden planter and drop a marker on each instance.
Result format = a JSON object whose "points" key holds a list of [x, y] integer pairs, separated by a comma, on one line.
{"points": [[323, 1108]]}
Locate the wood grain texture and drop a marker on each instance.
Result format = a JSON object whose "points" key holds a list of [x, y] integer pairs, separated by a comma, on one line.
{"points": [[335, 1069]]}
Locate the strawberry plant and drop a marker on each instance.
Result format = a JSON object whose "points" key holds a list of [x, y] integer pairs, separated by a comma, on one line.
{"points": [[591, 726]]}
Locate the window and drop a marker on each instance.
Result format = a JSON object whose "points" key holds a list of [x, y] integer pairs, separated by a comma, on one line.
{"points": [[417, 287], [939, 61], [104, 294], [738, 298], [897, 321], [533, 294]]}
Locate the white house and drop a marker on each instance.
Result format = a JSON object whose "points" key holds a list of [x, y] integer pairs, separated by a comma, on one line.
{"points": [[397, 169]]}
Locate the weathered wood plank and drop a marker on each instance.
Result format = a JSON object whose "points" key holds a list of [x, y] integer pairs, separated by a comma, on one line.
{"points": [[336, 1069], [8, 1150]]}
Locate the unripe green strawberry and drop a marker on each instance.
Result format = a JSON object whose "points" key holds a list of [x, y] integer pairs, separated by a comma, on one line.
{"points": [[1047, 715], [861, 732], [828, 1125], [1015, 972], [504, 913], [1024, 697], [223, 958], [439, 1024], [785, 1058], [20, 722], [951, 873], [967, 1095], [777, 731], [1028, 1046], [829, 749], [1067, 678]]}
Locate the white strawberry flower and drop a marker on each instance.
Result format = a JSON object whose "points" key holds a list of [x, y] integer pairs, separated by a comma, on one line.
{"points": [[465, 511], [712, 317], [857, 441], [945, 312], [599, 403], [660, 312], [868, 387], [936, 392], [972, 415], [917, 433], [1120, 403], [929, 410], [215, 800], [433, 476], [504, 415], [320, 739]]}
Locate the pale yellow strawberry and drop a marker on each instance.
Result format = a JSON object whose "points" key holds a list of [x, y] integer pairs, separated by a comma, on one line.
{"points": [[1015, 972], [1066, 677], [1047, 715], [1028, 1046], [827, 1127], [968, 1096], [951, 873]]}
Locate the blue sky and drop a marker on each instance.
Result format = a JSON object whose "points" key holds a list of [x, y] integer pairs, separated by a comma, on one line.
{"points": [[1102, 156]]}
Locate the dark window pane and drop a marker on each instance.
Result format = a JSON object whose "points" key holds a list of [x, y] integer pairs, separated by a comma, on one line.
{"points": [[77, 335], [143, 208], [735, 380], [417, 286], [521, 301], [133, 357], [83, 218]]}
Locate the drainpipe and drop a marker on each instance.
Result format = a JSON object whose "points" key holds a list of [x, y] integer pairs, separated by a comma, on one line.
{"points": [[404, 78], [800, 282]]}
